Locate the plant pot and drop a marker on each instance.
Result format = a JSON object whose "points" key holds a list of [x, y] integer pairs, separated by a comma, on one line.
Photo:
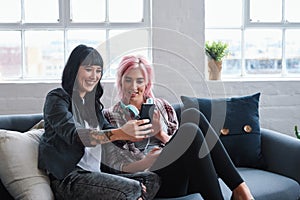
{"points": [[214, 69]]}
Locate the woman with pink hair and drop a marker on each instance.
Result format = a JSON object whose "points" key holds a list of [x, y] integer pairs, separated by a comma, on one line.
{"points": [[180, 155]]}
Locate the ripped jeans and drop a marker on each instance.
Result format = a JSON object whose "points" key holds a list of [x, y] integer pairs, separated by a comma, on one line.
{"points": [[82, 184]]}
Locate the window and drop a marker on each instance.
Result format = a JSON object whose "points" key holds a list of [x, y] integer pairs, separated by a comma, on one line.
{"points": [[263, 36], [36, 37]]}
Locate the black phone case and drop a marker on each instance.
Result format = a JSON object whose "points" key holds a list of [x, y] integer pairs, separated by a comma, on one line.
{"points": [[147, 111]]}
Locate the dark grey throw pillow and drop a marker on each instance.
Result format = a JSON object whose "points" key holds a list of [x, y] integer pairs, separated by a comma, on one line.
{"points": [[236, 119]]}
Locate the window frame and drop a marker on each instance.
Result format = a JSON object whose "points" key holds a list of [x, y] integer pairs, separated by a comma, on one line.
{"points": [[248, 24], [65, 24]]}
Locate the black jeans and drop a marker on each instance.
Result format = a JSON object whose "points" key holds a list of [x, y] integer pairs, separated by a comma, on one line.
{"points": [[193, 160]]}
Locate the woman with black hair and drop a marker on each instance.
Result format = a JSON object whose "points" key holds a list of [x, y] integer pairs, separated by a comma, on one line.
{"points": [[70, 148]]}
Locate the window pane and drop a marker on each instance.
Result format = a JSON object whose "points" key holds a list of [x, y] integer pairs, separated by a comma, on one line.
{"points": [[88, 10], [92, 38], [44, 58], [125, 42], [10, 54], [39, 51], [263, 51], [125, 10], [293, 51], [223, 13], [265, 10], [292, 10], [41, 11], [128, 41], [10, 11], [231, 64]]}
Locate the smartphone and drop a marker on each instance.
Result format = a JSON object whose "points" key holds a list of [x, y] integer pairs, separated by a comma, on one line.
{"points": [[147, 111]]}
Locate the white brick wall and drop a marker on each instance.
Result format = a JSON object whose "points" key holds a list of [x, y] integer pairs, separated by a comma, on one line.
{"points": [[19, 98], [279, 102]]}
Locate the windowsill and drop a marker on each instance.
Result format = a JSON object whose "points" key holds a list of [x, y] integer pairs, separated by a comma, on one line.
{"points": [[39, 81], [224, 79], [29, 81], [260, 79]]}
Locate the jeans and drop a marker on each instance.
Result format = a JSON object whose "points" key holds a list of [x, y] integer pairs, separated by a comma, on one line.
{"points": [[85, 185]]}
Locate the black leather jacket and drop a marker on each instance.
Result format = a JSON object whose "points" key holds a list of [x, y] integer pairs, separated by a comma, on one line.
{"points": [[60, 148]]}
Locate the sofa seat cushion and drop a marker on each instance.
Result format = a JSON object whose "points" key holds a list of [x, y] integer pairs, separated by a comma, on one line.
{"points": [[266, 185], [263, 185], [188, 197]]}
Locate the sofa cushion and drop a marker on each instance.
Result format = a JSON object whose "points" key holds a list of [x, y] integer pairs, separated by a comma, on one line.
{"points": [[236, 119], [18, 166], [262, 184], [19, 122], [195, 196], [265, 185], [268, 185]]}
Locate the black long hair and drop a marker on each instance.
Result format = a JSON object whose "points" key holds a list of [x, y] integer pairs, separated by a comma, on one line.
{"points": [[82, 55]]}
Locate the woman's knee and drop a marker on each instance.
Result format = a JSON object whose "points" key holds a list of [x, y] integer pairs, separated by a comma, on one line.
{"points": [[149, 179], [192, 115], [198, 144], [191, 130]]}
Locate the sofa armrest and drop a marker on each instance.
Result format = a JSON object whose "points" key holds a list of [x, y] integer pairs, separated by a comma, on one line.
{"points": [[281, 153]]}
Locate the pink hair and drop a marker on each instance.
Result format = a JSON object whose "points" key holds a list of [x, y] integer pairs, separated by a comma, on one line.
{"points": [[130, 62]]}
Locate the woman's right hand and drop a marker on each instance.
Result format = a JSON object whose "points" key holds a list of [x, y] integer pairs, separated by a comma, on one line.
{"points": [[151, 157], [136, 130], [143, 164], [153, 153]]}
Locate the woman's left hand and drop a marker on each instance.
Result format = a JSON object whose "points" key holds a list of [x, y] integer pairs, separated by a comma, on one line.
{"points": [[157, 127]]}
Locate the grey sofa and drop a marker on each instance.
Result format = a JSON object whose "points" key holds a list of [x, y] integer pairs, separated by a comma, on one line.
{"points": [[279, 180]]}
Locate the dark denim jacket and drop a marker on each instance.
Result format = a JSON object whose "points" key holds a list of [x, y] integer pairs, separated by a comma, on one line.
{"points": [[60, 148]]}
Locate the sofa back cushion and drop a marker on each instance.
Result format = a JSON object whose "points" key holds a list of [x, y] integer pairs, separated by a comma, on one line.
{"points": [[18, 166], [236, 119]]}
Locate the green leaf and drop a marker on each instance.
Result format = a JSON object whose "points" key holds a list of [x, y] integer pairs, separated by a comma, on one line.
{"points": [[296, 132], [216, 50]]}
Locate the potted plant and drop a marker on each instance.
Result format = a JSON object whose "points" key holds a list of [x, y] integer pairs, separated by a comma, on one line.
{"points": [[216, 51]]}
